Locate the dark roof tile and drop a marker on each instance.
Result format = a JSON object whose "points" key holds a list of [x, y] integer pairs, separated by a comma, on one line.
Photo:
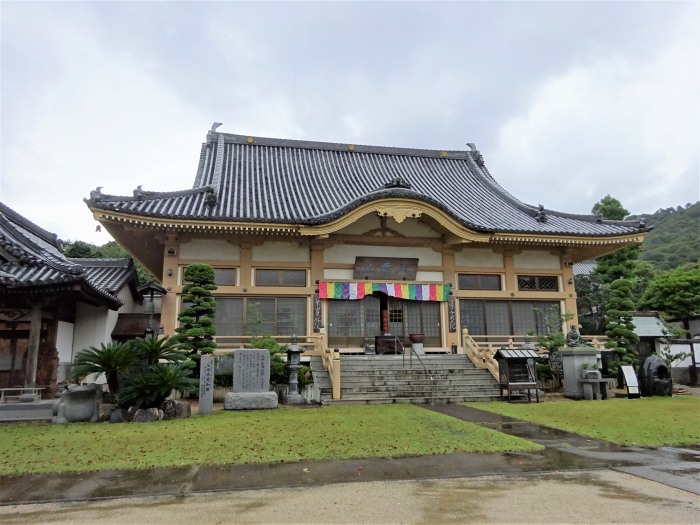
{"points": [[253, 179]]}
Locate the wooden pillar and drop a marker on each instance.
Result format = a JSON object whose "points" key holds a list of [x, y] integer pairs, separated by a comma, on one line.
{"points": [[168, 304], [246, 264], [570, 290], [449, 275], [33, 348], [509, 267]]}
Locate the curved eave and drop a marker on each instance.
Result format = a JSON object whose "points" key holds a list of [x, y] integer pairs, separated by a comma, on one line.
{"points": [[399, 209], [197, 225], [568, 240]]}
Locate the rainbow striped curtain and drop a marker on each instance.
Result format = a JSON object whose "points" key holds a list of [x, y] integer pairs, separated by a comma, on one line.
{"points": [[353, 291]]}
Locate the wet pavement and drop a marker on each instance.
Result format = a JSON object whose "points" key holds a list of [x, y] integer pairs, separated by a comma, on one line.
{"points": [[677, 467], [564, 452]]}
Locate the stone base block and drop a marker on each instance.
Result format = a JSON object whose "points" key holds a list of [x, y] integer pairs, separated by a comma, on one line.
{"points": [[250, 400]]}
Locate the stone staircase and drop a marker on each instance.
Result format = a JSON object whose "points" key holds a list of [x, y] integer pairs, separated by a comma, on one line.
{"points": [[390, 379]]}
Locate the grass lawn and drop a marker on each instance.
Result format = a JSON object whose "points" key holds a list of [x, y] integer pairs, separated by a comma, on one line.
{"points": [[286, 434], [651, 421]]}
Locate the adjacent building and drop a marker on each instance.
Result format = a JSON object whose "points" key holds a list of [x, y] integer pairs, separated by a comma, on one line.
{"points": [[52, 307]]}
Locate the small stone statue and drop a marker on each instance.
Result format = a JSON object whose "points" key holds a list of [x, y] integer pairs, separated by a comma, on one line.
{"points": [[573, 338]]}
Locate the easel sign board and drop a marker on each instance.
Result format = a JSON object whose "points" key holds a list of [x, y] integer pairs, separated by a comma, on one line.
{"points": [[631, 381]]}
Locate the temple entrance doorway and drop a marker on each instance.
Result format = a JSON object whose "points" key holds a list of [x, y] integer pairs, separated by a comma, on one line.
{"points": [[350, 322]]}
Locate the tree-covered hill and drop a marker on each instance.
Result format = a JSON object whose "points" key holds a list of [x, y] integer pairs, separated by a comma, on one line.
{"points": [[675, 239]]}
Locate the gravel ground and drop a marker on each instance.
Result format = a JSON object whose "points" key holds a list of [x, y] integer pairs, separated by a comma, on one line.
{"points": [[601, 496]]}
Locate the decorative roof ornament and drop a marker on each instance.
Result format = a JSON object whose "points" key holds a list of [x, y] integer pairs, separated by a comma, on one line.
{"points": [[211, 199], [96, 193], [599, 218], [215, 125], [139, 193], [642, 223], [476, 155], [398, 182], [541, 215]]}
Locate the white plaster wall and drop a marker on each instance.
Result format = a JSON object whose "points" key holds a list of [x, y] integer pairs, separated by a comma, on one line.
{"points": [[64, 341], [209, 250], [429, 276], [345, 254], [281, 251], [478, 257], [409, 227], [338, 275], [537, 259], [90, 327], [677, 349]]}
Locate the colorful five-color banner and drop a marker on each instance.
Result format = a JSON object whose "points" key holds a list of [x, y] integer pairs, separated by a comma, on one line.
{"points": [[352, 291]]}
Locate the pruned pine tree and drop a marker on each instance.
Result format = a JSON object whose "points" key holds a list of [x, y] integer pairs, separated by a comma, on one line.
{"points": [[196, 331]]}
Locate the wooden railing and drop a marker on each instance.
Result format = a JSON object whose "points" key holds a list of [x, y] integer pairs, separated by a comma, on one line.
{"points": [[313, 345], [481, 348], [480, 355]]}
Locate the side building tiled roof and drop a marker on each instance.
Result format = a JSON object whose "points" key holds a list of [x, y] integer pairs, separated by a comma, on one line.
{"points": [[262, 180], [31, 260], [110, 274]]}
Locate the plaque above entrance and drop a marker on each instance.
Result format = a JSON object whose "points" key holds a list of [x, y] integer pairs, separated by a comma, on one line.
{"points": [[381, 268]]}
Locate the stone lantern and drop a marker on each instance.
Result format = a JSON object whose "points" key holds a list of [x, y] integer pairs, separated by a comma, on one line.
{"points": [[293, 363]]}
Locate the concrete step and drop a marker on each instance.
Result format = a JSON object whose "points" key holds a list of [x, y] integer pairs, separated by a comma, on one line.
{"points": [[39, 411]]}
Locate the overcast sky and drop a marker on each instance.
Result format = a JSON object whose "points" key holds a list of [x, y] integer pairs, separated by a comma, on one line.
{"points": [[567, 101]]}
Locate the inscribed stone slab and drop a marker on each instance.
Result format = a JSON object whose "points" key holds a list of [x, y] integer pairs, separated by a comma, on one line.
{"points": [[251, 370], [206, 384]]}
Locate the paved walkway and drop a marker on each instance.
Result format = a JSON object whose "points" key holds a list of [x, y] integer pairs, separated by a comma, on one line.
{"points": [[574, 479]]}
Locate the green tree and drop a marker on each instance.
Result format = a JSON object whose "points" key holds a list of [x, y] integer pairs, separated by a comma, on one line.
{"points": [[110, 250], [591, 298], [676, 293], [619, 327], [553, 338], [196, 331], [610, 208], [81, 250], [622, 263]]}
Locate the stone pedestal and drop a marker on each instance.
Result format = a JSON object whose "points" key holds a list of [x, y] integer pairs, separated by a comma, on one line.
{"points": [[251, 381], [250, 400], [573, 360]]}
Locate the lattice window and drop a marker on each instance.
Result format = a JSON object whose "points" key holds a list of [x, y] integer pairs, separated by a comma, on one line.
{"points": [[353, 318], [261, 315], [473, 281], [396, 315], [280, 277], [545, 283], [225, 276], [506, 317]]}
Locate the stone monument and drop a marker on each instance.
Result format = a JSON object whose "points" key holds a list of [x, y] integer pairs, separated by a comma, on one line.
{"points": [[206, 385], [251, 381]]}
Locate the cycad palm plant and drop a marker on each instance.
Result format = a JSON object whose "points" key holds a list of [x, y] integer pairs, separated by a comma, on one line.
{"points": [[153, 350], [149, 387], [111, 359]]}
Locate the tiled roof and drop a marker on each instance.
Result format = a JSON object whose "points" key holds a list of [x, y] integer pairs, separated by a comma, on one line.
{"points": [[109, 274], [262, 180], [585, 267], [31, 259], [648, 325]]}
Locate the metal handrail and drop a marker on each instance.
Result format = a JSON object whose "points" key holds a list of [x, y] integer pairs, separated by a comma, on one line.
{"points": [[410, 364]]}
